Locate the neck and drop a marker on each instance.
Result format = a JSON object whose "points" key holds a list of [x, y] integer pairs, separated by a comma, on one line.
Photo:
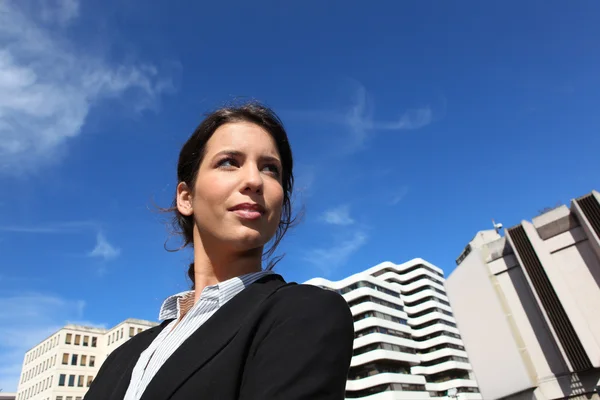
{"points": [[218, 265]]}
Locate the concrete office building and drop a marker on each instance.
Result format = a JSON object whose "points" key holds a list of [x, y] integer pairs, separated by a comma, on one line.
{"points": [[407, 345], [528, 305], [64, 365]]}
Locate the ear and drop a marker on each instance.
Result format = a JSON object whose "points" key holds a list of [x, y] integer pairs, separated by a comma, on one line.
{"points": [[184, 199]]}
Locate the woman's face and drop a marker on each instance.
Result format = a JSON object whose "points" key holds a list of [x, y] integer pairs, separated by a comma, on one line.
{"points": [[238, 196]]}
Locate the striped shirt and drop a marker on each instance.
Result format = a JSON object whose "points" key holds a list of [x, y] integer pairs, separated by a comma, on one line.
{"points": [[188, 317]]}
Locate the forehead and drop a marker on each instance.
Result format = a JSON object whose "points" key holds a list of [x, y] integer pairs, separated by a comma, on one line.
{"points": [[242, 136]]}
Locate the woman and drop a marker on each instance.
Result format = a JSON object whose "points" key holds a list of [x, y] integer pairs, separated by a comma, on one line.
{"points": [[242, 332]]}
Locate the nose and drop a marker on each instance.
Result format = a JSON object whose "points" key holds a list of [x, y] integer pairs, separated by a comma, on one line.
{"points": [[252, 179]]}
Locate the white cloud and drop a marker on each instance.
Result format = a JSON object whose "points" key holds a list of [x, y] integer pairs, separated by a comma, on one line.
{"points": [[25, 320], [47, 87], [328, 259], [103, 249], [338, 216], [52, 228], [398, 196], [360, 118]]}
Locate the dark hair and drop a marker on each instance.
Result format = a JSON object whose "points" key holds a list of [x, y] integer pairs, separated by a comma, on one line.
{"points": [[193, 152]]}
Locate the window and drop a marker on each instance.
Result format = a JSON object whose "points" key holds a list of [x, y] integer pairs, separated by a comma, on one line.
{"points": [[72, 380], [94, 340], [80, 381], [69, 397], [139, 330], [92, 361], [121, 333], [59, 398], [131, 331], [65, 360], [68, 338], [74, 359], [89, 381], [77, 339], [383, 346], [61, 380], [86, 340], [83, 360], [78, 398]]}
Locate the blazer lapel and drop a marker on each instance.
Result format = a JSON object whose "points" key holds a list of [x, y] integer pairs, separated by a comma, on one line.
{"points": [[210, 338], [135, 348]]}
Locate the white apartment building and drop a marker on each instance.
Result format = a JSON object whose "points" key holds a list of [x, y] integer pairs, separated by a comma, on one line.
{"points": [[528, 305], [406, 345], [64, 365]]}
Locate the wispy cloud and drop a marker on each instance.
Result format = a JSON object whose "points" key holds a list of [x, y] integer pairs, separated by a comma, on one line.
{"points": [[25, 320], [360, 119], [398, 196], [338, 216], [327, 259], [52, 228], [104, 249], [47, 88]]}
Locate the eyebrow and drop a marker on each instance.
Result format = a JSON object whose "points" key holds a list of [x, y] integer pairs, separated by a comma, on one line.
{"points": [[236, 153]]}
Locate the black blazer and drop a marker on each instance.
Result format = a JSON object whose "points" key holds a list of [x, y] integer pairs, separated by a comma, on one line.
{"points": [[272, 341]]}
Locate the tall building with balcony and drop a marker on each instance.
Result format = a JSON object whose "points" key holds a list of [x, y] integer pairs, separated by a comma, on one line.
{"points": [[407, 345], [64, 365], [528, 305]]}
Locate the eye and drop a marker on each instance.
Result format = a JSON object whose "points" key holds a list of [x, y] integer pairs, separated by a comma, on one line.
{"points": [[273, 169], [228, 162]]}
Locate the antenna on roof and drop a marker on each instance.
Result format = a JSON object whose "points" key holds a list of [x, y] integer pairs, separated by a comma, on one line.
{"points": [[497, 226]]}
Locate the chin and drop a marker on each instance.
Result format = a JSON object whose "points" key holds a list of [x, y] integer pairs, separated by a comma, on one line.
{"points": [[248, 238]]}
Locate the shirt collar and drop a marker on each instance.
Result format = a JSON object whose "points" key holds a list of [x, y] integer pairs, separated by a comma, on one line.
{"points": [[179, 304]]}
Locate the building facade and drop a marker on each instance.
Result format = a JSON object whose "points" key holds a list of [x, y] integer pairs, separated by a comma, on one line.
{"points": [[64, 365], [528, 305], [406, 345]]}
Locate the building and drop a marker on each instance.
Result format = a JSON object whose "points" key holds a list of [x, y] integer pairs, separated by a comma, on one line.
{"points": [[528, 305], [64, 365], [7, 396], [407, 345]]}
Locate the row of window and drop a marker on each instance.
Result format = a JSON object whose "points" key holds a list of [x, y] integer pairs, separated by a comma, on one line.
{"points": [[436, 334], [444, 393], [409, 270], [424, 299], [379, 329], [62, 380], [448, 375], [378, 367], [372, 299], [73, 381], [377, 314], [396, 387], [421, 288], [424, 276], [367, 284], [78, 340], [383, 346], [444, 359], [442, 347], [83, 360], [41, 349], [429, 311], [37, 369], [433, 322], [118, 334]]}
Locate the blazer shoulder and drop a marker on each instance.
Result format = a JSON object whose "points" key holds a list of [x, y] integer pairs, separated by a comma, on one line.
{"points": [[305, 299]]}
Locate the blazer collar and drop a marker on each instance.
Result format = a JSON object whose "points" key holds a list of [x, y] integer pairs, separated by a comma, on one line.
{"points": [[210, 338]]}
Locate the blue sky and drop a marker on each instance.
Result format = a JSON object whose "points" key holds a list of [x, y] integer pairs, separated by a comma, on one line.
{"points": [[413, 124]]}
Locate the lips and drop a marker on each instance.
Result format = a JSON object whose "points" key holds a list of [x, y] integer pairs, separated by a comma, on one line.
{"points": [[248, 211]]}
